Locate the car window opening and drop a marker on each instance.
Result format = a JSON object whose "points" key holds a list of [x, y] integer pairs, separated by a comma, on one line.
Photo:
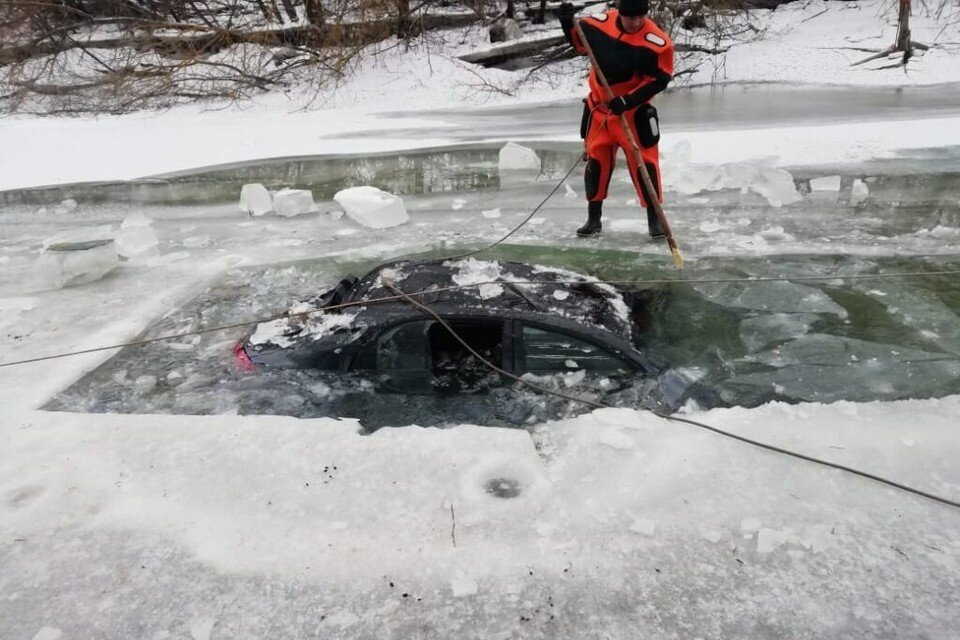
{"points": [[454, 368], [551, 352]]}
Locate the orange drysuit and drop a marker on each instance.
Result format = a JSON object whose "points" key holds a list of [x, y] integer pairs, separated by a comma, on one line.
{"points": [[637, 66]]}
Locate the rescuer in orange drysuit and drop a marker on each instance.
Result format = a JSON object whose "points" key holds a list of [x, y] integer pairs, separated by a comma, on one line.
{"points": [[636, 58]]}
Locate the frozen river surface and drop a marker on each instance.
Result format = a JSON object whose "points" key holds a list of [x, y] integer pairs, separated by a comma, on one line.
{"points": [[614, 524], [747, 342]]}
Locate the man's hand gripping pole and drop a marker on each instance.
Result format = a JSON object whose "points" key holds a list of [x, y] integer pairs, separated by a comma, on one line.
{"points": [[644, 174]]}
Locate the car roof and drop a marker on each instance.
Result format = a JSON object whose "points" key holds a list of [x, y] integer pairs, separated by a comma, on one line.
{"points": [[493, 288]]}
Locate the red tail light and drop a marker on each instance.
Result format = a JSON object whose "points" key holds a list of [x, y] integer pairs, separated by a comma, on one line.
{"points": [[244, 363]]}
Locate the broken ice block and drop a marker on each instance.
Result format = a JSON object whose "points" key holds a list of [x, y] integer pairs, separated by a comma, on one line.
{"points": [[69, 264], [859, 192], [372, 207], [136, 238], [776, 185], [293, 202], [517, 165], [66, 206], [255, 199], [826, 183], [514, 157]]}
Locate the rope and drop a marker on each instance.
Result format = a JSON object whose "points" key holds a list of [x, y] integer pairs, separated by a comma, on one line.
{"points": [[516, 228], [394, 298], [803, 456], [599, 405]]}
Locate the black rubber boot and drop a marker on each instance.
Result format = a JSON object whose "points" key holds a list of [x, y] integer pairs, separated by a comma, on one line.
{"points": [[593, 225], [653, 223]]}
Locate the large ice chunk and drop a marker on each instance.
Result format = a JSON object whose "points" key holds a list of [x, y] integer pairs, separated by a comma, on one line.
{"points": [[826, 183], [514, 157], [826, 349], [66, 206], [759, 175], [69, 264], [859, 192], [783, 297], [775, 185], [293, 202], [136, 238], [372, 207], [255, 199], [760, 331]]}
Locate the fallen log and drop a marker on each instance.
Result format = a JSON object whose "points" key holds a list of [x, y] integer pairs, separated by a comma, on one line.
{"points": [[501, 53]]}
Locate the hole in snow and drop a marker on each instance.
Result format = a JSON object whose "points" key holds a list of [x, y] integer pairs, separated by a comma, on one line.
{"points": [[503, 487]]}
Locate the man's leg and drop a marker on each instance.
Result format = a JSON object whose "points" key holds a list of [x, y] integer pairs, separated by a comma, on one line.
{"points": [[651, 161], [601, 155], [593, 225]]}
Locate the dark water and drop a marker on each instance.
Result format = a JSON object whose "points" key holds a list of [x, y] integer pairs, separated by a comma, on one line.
{"points": [[745, 343]]}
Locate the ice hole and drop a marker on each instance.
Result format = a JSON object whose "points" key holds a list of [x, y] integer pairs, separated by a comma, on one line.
{"points": [[505, 488]]}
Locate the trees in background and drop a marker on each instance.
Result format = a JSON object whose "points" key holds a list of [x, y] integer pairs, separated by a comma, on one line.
{"points": [[120, 55], [82, 56]]}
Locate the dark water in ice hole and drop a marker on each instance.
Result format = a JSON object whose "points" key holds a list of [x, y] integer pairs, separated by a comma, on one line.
{"points": [[747, 343]]}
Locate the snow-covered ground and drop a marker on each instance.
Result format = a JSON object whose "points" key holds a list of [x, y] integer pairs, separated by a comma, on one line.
{"points": [[617, 524], [612, 524], [804, 47]]}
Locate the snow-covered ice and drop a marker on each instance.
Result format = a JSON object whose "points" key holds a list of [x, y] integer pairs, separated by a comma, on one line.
{"points": [[372, 207], [566, 529]]}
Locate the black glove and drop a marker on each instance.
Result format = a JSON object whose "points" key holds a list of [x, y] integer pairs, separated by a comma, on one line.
{"points": [[618, 105]]}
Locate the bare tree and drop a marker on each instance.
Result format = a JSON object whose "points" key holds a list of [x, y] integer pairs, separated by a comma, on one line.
{"points": [[72, 56], [903, 45]]}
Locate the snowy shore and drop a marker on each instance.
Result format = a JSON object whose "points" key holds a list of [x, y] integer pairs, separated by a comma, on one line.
{"points": [[804, 44]]}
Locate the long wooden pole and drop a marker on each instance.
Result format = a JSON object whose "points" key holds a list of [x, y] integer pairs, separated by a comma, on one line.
{"points": [[652, 195]]}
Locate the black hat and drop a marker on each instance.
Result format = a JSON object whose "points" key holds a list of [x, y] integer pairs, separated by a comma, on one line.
{"points": [[634, 8]]}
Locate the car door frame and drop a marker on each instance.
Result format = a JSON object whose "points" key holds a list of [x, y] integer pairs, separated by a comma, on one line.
{"points": [[372, 338], [629, 356]]}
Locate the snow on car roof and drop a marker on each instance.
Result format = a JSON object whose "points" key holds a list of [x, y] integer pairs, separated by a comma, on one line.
{"points": [[501, 286]]}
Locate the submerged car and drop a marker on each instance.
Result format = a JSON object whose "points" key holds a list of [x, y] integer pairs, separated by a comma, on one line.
{"points": [[524, 319]]}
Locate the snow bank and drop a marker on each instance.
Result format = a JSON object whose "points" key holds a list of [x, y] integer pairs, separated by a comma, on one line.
{"points": [[372, 207], [467, 529]]}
